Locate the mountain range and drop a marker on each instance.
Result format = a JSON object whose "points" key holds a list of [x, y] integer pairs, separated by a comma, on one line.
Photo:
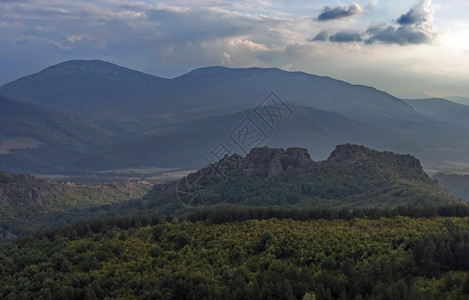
{"points": [[93, 115]]}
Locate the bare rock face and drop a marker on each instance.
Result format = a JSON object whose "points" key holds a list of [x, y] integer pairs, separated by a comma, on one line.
{"points": [[300, 155], [262, 161], [355, 154], [271, 162]]}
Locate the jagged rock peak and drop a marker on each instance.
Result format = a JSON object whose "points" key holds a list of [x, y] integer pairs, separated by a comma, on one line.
{"points": [[273, 161], [354, 154], [347, 152], [262, 161]]}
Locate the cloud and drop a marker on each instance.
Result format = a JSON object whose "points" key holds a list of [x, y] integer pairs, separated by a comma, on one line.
{"points": [[345, 37], [411, 17], [370, 5], [401, 36], [421, 12], [339, 12], [415, 27], [321, 36]]}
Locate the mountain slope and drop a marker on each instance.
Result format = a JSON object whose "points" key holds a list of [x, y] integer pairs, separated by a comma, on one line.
{"points": [[188, 144], [33, 137], [94, 89], [237, 89]]}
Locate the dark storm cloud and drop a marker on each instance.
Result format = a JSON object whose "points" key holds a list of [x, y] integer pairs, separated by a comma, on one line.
{"points": [[329, 13], [345, 37]]}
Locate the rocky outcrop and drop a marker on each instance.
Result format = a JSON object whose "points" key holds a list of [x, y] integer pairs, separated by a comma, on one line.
{"points": [[356, 154], [261, 161], [271, 162]]}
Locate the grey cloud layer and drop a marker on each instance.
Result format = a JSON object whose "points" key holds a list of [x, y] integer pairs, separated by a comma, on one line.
{"points": [[345, 37]]}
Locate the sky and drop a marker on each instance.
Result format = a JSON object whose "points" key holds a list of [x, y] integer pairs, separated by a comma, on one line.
{"points": [[407, 48]]}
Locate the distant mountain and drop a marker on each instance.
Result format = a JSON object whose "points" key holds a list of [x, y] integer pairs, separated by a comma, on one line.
{"points": [[95, 89], [105, 91], [352, 176], [36, 138], [237, 89], [442, 110]]}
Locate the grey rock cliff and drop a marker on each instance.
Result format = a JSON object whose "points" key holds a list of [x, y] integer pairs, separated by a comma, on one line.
{"points": [[261, 161]]}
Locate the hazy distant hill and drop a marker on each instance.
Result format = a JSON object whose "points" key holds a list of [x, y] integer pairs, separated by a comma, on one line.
{"points": [[442, 109], [457, 184], [188, 144], [36, 138], [457, 99]]}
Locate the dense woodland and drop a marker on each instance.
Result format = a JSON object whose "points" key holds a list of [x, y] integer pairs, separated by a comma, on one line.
{"points": [[248, 253]]}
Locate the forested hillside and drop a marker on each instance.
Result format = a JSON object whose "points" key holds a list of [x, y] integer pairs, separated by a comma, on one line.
{"points": [[28, 203], [353, 176], [157, 258]]}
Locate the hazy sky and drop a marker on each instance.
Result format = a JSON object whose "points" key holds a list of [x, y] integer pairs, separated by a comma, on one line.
{"points": [[403, 47]]}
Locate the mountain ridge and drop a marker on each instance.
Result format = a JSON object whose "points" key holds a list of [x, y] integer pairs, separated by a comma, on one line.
{"points": [[141, 119], [201, 89]]}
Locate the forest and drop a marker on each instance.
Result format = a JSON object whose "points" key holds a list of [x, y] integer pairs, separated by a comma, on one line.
{"points": [[247, 253]]}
